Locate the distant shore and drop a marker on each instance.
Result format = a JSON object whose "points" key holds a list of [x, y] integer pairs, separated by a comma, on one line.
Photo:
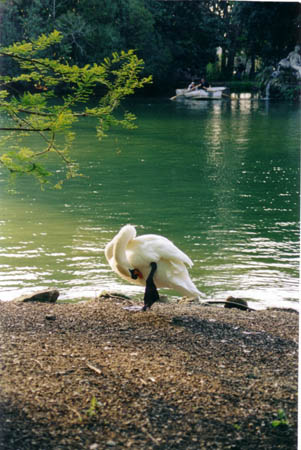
{"points": [[94, 375]]}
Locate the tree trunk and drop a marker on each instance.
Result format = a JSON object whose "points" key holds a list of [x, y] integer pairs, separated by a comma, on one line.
{"points": [[252, 71], [230, 64], [223, 61]]}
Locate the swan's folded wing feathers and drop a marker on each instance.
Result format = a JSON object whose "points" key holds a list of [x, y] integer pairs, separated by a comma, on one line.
{"points": [[169, 251], [159, 247]]}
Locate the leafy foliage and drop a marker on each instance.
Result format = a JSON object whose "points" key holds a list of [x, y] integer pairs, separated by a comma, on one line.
{"points": [[169, 36], [281, 420], [176, 39], [33, 109], [268, 33]]}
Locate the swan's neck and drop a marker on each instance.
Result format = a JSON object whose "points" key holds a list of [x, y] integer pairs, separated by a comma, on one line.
{"points": [[151, 293], [153, 270], [126, 234]]}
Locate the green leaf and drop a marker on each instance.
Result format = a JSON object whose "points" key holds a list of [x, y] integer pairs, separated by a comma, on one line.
{"points": [[25, 154]]}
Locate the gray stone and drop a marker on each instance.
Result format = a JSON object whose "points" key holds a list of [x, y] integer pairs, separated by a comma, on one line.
{"points": [[45, 296]]}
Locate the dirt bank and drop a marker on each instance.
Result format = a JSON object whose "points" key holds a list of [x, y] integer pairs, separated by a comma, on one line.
{"points": [[96, 376]]}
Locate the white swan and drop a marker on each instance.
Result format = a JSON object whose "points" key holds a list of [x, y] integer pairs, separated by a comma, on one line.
{"points": [[150, 260]]}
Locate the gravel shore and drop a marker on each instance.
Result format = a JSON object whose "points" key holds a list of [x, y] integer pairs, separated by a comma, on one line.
{"points": [[94, 375]]}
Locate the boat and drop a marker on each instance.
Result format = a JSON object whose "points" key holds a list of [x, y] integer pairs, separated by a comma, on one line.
{"points": [[201, 94]]}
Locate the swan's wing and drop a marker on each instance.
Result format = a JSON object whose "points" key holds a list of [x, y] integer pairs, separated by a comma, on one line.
{"points": [[109, 249], [152, 247]]}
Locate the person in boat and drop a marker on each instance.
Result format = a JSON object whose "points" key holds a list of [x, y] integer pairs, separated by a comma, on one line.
{"points": [[203, 84], [191, 86]]}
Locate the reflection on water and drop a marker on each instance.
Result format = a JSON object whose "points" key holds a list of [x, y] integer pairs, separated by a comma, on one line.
{"points": [[219, 178]]}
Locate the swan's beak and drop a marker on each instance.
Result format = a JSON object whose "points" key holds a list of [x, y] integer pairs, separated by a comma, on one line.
{"points": [[135, 273]]}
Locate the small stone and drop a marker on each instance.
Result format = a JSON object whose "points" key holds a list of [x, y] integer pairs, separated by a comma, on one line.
{"points": [[239, 303], [45, 296], [111, 444], [50, 317]]}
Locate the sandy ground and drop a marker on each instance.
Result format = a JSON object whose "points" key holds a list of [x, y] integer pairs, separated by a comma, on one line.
{"points": [[94, 376]]}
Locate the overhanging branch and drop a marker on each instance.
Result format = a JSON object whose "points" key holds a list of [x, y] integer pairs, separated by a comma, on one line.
{"points": [[24, 129]]}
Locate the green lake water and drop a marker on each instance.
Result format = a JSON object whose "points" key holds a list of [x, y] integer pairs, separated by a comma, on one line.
{"points": [[218, 178]]}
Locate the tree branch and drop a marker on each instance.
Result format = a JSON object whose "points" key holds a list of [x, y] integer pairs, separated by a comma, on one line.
{"points": [[24, 129], [23, 58], [36, 113]]}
